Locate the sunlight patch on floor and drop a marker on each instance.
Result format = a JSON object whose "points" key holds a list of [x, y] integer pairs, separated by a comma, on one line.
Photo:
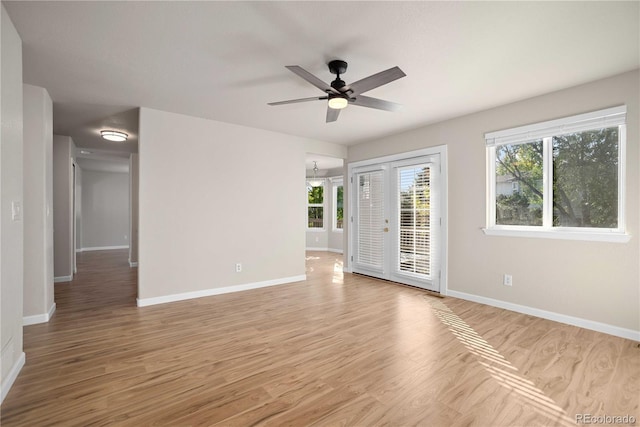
{"points": [[497, 366], [338, 273]]}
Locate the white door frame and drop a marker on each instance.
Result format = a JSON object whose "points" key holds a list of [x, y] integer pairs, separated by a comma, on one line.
{"points": [[442, 151]]}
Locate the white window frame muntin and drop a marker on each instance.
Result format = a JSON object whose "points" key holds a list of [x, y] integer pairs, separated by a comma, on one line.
{"points": [[610, 117], [322, 205], [335, 183]]}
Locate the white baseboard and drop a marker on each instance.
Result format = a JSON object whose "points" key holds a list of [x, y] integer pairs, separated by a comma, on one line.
{"points": [[143, 302], [62, 279], [102, 248], [8, 381], [550, 315], [133, 264], [52, 310], [339, 251], [317, 249], [39, 318]]}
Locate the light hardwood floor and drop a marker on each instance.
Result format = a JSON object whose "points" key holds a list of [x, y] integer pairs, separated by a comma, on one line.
{"points": [[333, 350]]}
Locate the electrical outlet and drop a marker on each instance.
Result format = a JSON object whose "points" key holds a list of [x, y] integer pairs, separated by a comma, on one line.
{"points": [[238, 267], [507, 280]]}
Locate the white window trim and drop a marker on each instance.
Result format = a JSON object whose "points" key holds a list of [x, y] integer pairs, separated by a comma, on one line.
{"points": [[335, 183], [322, 205], [610, 117]]}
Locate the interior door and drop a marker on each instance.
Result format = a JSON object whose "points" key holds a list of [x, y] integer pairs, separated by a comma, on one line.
{"points": [[396, 221]]}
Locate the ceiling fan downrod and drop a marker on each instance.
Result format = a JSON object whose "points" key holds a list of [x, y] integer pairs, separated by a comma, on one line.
{"points": [[337, 67]]}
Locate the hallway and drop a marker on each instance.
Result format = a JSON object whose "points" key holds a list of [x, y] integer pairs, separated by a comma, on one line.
{"points": [[104, 281]]}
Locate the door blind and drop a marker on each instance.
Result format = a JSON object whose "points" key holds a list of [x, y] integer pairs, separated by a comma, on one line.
{"points": [[414, 204], [370, 213]]}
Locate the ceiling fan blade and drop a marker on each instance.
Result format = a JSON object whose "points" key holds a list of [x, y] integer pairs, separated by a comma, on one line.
{"points": [[311, 78], [376, 80], [294, 101], [332, 114], [367, 101]]}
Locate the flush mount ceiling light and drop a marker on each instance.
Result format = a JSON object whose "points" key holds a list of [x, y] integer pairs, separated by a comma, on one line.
{"points": [[338, 103], [112, 135]]}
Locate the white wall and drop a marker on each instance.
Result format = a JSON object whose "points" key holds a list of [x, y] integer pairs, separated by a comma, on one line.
{"points": [[207, 203], [134, 162], [594, 281], [11, 169], [105, 209], [335, 238], [38, 199], [78, 208], [63, 216]]}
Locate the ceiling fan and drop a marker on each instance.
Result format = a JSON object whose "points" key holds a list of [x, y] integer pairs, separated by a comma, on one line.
{"points": [[339, 94]]}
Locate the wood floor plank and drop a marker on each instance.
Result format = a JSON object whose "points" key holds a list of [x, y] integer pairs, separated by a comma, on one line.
{"points": [[335, 350]]}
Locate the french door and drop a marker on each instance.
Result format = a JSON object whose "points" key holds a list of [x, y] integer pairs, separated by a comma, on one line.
{"points": [[396, 221]]}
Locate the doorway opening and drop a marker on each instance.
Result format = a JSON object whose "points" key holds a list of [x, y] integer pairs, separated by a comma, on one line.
{"points": [[325, 203]]}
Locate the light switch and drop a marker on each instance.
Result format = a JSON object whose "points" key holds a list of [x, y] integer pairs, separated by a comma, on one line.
{"points": [[16, 211]]}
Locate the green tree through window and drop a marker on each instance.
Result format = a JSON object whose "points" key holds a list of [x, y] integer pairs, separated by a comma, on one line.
{"points": [[522, 163], [584, 176], [585, 179], [315, 206], [339, 209]]}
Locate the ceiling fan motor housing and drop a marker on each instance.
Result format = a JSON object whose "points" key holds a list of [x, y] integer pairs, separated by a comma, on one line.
{"points": [[338, 84], [337, 67]]}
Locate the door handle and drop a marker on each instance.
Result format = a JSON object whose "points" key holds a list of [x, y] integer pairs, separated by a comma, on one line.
{"points": [[386, 229]]}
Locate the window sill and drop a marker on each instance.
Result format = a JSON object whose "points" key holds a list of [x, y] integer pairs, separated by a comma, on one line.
{"points": [[613, 237], [319, 230]]}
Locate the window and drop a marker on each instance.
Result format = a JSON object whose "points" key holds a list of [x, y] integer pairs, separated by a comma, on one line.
{"points": [[338, 204], [562, 178], [315, 206], [516, 163]]}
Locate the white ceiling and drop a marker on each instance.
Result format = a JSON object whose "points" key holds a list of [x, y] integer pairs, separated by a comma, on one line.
{"points": [[225, 60], [327, 166], [102, 164]]}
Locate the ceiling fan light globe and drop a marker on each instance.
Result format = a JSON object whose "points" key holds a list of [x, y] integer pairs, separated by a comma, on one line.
{"points": [[338, 103]]}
